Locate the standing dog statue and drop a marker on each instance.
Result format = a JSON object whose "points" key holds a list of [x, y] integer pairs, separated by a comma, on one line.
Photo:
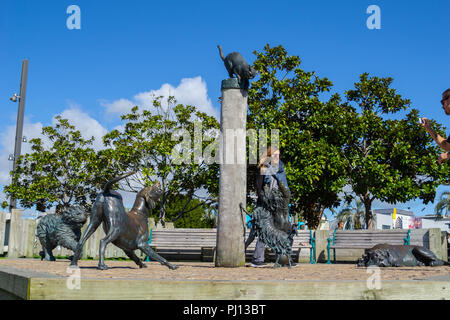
{"points": [[128, 231]]}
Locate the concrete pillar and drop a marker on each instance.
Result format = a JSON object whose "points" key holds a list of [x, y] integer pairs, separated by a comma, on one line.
{"points": [[233, 176], [435, 242], [321, 246]]}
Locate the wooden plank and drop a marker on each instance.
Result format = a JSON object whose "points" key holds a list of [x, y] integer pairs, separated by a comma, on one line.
{"points": [[15, 234], [29, 230], [35, 240], [2, 231], [109, 251], [93, 243], [155, 289]]}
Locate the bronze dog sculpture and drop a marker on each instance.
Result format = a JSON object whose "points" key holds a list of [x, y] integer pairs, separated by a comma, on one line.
{"points": [[386, 255], [128, 231], [270, 223]]}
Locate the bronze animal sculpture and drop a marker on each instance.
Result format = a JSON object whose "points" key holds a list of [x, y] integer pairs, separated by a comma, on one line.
{"points": [[128, 231], [236, 65], [271, 224], [60, 230], [386, 255]]}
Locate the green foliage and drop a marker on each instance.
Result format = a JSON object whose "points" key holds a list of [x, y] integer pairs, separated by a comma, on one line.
{"points": [[326, 145], [62, 174], [352, 216], [186, 212], [443, 205], [312, 133], [147, 144], [390, 160]]}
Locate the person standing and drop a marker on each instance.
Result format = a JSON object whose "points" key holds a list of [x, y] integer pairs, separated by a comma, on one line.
{"points": [[441, 142], [271, 173]]}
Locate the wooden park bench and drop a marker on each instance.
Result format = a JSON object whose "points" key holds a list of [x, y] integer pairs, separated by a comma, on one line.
{"points": [[184, 243], [200, 244], [366, 239], [304, 240]]}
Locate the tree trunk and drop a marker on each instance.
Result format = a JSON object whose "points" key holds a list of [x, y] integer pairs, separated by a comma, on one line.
{"points": [[368, 213]]}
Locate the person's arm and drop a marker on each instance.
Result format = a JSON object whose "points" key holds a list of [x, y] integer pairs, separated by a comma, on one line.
{"points": [[442, 142], [443, 157], [259, 187]]}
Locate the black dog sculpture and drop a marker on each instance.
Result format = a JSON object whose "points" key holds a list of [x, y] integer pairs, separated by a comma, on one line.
{"points": [[271, 224], [60, 230], [386, 255], [236, 65], [128, 231]]}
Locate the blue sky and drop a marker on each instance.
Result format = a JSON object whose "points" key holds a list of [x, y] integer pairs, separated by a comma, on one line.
{"points": [[127, 48]]}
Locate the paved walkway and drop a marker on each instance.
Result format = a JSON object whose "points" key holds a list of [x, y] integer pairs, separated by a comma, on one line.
{"points": [[207, 271]]}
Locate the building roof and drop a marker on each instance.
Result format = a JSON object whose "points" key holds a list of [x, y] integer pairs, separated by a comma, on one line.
{"points": [[433, 216], [391, 211]]}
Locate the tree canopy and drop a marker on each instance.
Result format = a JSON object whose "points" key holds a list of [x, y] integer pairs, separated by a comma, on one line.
{"points": [[392, 160], [146, 145], [312, 132], [366, 141], [64, 173]]}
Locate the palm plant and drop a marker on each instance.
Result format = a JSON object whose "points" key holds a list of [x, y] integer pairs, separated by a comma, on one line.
{"points": [[443, 205], [352, 216]]}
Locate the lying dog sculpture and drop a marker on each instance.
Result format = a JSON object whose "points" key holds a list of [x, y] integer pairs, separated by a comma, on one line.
{"points": [[128, 231], [60, 230], [386, 255]]}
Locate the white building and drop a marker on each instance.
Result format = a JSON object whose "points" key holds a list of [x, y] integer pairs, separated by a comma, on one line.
{"points": [[429, 221], [393, 219]]}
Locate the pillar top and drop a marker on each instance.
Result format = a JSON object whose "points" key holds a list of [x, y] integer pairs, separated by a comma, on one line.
{"points": [[231, 83]]}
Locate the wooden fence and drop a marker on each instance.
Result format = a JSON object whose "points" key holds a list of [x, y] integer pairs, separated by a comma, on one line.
{"points": [[20, 240]]}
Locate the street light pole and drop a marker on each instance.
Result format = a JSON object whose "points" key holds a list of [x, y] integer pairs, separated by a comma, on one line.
{"points": [[19, 127]]}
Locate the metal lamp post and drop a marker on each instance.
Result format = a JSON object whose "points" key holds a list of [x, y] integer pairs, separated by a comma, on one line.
{"points": [[20, 115]]}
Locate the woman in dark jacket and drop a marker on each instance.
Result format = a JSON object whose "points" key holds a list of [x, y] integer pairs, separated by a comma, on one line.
{"points": [[271, 173]]}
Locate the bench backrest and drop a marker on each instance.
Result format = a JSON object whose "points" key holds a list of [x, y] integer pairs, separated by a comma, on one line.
{"points": [[369, 238], [182, 237]]}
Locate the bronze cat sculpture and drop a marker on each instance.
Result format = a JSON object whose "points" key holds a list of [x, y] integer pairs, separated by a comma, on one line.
{"points": [[236, 65]]}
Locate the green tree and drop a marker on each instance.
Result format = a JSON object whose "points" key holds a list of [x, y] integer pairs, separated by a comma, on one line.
{"points": [[147, 144], [388, 159], [443, 204], [62, 174], [352, 216], [312, 132], [187, 213]]}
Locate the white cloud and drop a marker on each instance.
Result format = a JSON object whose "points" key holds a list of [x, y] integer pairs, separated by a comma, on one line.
{"points": [[88, 126], [190, 91], [7, 144], [121, 106], [81, 120]]}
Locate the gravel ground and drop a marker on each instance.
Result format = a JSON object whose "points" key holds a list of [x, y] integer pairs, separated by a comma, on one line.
{"points": [[207, 271]]}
